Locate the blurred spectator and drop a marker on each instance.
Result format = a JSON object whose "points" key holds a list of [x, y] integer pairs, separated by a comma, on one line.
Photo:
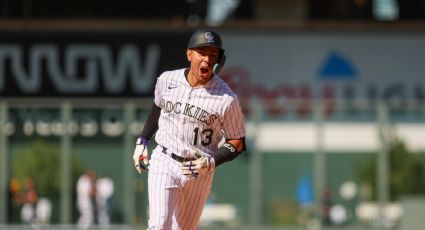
{"points": [[29, 200], [305, 192], [13, 199], [104, 192], [305, 199], [85, 193], [219, 11], [385, 10], [43, 212]]}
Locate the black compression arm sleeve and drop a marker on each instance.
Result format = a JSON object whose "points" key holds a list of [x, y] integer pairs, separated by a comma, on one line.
{"points": [[226, 152], [151, 123]]}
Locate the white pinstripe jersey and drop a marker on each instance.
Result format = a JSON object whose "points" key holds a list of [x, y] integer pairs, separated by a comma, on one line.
{"points": [[196, 117]]}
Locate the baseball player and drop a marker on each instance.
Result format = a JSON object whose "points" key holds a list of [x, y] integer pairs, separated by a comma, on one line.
{"points": [[104, 192], [199, 125], [85, 193]]}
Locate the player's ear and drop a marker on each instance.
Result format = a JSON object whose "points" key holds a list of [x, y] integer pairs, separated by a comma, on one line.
{"points": [[189, 54]]}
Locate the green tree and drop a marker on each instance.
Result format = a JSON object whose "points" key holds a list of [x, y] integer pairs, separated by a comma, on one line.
{"points": [[42, 161], [406, 169]]}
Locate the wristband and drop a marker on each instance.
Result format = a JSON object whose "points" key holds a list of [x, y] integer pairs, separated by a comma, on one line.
{"points": [[142, 141]]}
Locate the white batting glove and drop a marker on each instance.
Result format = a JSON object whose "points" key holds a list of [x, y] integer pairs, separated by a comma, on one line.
{"points": [[140, 155], [202, 165]]}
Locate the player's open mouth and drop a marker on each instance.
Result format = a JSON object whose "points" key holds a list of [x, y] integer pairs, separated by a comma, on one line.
{"points": [[205, 69]]}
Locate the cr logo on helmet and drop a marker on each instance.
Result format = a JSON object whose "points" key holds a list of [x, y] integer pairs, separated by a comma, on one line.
{"points": [[209, 36]]}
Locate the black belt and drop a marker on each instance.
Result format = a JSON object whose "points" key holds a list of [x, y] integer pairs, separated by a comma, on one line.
{"points": [[177, 157]]}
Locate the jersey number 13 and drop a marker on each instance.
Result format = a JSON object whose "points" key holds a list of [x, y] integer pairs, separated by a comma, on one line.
{"points": [[206, 136]]}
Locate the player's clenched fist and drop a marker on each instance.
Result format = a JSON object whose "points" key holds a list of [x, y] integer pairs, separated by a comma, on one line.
{"points": [[140, 155], [201, 165]]}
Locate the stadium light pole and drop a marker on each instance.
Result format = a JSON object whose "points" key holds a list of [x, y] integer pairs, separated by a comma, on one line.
{"points": [[319, 160], [3, 163], [256, 206], [65, 199], [128, 142], [382, 163]]}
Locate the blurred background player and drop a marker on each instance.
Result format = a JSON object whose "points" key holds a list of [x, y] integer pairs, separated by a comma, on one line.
{"points": [[85, 193], [193, 111], [29, 200], [104, 192]]}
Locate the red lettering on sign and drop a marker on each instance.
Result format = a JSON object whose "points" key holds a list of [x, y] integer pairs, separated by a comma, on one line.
{"points": [[281, 99]]}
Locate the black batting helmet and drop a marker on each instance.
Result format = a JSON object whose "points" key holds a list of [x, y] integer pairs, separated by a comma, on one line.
{"points": [[204, 38], [208, 38]]}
